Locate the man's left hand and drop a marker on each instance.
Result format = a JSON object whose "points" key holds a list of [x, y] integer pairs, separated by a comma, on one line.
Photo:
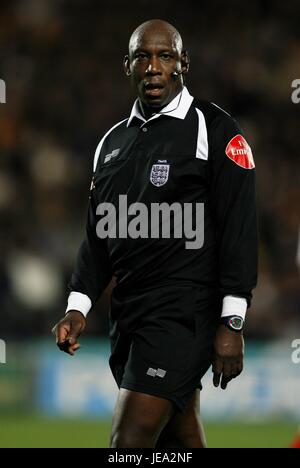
{"points": [[228, 356]]}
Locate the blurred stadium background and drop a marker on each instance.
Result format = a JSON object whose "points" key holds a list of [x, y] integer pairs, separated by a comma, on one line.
{"points": [[61, 61]]}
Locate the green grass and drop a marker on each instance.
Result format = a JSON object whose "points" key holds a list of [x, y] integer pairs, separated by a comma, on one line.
{"points": [[37, 432], [271, 435]]}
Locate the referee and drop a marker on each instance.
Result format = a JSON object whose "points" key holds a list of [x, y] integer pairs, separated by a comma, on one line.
{"points": [[184, 274]]}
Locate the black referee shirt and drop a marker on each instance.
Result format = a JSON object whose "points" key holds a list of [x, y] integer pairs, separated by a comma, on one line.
{"points": [[194, 153]]}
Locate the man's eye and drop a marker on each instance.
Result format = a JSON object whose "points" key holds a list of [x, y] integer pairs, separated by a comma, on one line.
{"points": [[166, 56], [140, 56]]}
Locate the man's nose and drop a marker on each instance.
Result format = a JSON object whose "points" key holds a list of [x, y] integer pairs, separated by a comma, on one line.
{"points": [[153, 67]]}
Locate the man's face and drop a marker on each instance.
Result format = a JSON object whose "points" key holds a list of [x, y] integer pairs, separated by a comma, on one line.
{"points": [[153, 57]]}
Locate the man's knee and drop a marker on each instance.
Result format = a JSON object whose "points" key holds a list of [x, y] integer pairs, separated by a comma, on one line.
{"points": [[138, 420], [184, 430], [141, 435], [175, 436]]}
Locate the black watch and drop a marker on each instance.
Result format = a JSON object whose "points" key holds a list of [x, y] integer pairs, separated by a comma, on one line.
{"points": [[233, 322]]}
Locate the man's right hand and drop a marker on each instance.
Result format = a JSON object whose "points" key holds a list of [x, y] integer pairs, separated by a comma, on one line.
{"points": [[68, 330]]}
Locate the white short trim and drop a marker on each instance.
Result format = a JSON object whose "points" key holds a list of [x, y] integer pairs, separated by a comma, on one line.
{"points": [[202, 141], [233, 305], [80, 302]]}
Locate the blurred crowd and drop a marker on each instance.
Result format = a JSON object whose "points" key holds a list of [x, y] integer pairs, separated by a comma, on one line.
{"points": [[62, 64]]}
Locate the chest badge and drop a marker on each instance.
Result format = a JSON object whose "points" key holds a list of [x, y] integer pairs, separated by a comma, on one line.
{"points": [[160, 172]]}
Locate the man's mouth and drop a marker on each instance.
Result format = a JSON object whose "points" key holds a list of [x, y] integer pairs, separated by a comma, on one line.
{"points": [[153, 89]]}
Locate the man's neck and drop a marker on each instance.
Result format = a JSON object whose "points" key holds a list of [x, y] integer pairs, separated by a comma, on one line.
{"points": [[148, 111]]}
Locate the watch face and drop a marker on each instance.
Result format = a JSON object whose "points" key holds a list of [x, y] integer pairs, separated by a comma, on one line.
{"points": [[236, 323]]}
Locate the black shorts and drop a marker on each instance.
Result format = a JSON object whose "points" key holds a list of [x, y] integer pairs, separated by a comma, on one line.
{"points": [[162, 339]]}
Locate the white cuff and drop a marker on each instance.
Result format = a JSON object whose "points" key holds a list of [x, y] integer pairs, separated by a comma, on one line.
{"points": [[80, 302], [233, 305]]}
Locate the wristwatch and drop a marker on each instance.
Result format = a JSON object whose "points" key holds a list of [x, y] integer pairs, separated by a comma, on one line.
{"points": [[233, 322]]}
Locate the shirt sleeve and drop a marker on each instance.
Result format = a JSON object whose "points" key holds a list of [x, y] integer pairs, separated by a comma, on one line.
{"points": [[92, 272], [233, 201]]}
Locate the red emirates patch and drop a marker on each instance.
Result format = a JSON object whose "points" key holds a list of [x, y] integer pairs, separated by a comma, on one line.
{"points": [[240, 152]]}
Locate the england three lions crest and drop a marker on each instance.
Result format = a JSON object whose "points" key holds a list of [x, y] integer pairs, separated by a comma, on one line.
{"points": [[160, 173]]}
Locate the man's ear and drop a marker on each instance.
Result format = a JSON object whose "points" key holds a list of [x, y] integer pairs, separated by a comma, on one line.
{"points": [[185, 62], [126, 65]]}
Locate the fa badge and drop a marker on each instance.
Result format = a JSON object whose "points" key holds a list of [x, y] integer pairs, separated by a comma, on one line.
{"points": [[160, 172]]}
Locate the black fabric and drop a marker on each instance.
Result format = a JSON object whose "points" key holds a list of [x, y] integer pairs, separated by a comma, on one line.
{"points": [[170, 328], [228, 258], [168, 299], [92, 271]]}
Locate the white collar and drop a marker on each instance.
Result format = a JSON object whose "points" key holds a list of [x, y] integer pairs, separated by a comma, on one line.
{"points": [[177, 108]]}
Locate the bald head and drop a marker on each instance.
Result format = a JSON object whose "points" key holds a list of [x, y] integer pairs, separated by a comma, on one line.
{"points": [[156, 63], [156, 28]]}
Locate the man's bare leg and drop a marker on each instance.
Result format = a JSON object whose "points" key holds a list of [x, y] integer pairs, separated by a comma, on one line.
{"points": [[139, 419], [184, 430]]}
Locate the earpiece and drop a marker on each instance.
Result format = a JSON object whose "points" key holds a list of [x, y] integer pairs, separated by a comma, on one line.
{"points": [[176, 74]]}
